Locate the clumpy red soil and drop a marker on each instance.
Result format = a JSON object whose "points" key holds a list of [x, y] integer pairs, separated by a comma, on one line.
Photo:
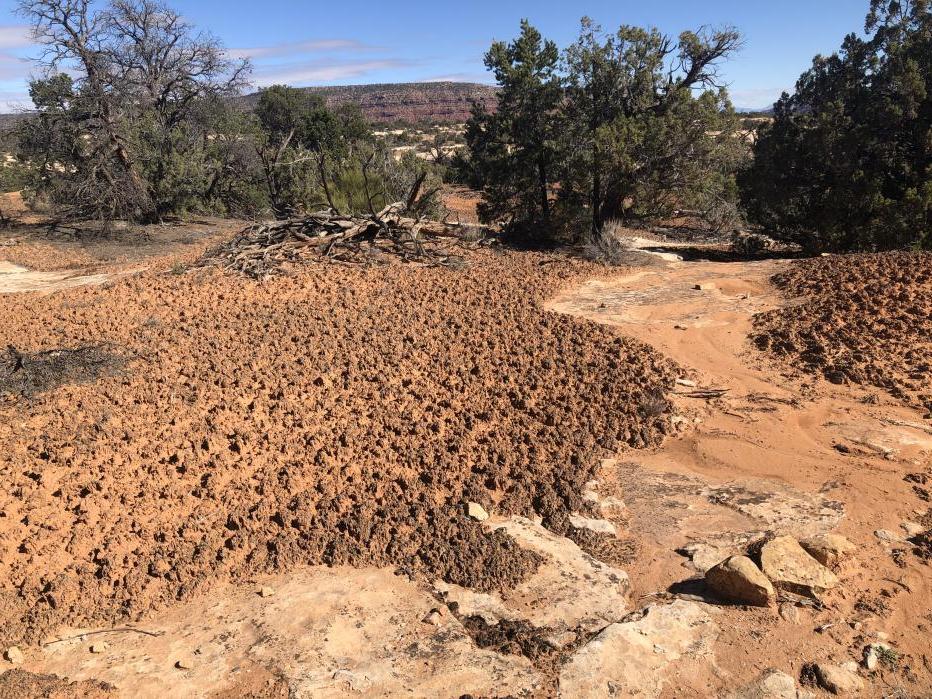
{"points": [[865, 319], [338, 416]]}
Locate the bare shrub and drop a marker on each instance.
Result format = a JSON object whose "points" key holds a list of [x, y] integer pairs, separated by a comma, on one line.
{"points": [[750, 243], [611, 248]]}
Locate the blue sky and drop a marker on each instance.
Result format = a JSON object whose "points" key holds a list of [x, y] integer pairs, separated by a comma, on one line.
{"points": [[351, 41]]}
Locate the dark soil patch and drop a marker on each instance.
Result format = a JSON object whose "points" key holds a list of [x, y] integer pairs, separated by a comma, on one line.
{"points": [[865, 319], [27, 374], [19, 684]]}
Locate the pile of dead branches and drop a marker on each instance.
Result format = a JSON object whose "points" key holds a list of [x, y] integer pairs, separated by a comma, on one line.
{"points": [[265, 249]]}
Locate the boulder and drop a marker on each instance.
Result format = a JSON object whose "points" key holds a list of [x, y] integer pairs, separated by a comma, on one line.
{"points": [[829, 549], [790, 568], [838, 680], [739, 579]]}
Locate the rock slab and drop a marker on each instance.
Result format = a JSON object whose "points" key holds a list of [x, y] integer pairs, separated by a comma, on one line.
{"points": [[789, 567], [838, 680], [828, 549]]}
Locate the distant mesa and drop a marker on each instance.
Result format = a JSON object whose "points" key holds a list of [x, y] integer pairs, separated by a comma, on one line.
{"points": [[439, 102]]}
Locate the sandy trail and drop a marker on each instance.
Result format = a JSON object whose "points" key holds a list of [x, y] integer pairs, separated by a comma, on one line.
{"points": [[16, 279], [761, 458], [765, 457]]}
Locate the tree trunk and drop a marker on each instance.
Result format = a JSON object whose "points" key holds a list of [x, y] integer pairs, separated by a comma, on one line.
{"points": [[595, 200], [542, 184]]}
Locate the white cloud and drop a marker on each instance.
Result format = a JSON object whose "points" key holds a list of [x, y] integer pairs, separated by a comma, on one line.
{"points": [[15, 36], [296, 74], [300, 47]]}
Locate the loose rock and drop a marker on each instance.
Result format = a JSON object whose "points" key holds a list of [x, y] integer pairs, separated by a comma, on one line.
{"points": [[790, 612], [739, 579], [789, 567], [266, 591], [99, 647], [477, 512], [184, 664], [14, 655], [704, 286], [838, 680], [829, 549], [912, 529], [433, 617], [872, 654], [886, 535]]}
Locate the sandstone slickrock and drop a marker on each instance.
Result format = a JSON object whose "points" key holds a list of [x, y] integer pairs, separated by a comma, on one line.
{"points": [[789, 567], [838, 680], [633, 658], [828, 549], [739, 579]]}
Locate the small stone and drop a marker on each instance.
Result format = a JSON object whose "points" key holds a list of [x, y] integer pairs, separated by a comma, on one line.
{"points": [[886, 535], [704, 286], [705, 556], [790, 612], [477, 512], [739, 579], [686, 382], [789, 567], [838, 680], [433, 617], [14, 655], [773, 684], [872, 655], [266, 591], [159, 568], [99, 647], [184, 664], [680, 327], [828, 549], [912, 529]]}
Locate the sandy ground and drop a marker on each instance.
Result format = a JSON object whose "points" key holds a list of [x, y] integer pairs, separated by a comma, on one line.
{"points": [[618, 614]]}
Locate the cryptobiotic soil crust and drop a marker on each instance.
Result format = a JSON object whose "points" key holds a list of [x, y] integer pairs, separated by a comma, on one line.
{"points": [[338, 416], [159, 525]]}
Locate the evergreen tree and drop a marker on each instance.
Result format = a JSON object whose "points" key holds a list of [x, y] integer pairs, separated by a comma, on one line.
{"points": [[847, 162], [513, 150]]}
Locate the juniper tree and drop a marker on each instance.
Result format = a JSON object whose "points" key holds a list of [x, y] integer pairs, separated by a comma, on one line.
{"points": [[847, 162]]}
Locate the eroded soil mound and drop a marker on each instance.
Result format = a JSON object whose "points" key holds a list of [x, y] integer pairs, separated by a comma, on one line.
{"points": [[865, 318], [340, 415]]}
